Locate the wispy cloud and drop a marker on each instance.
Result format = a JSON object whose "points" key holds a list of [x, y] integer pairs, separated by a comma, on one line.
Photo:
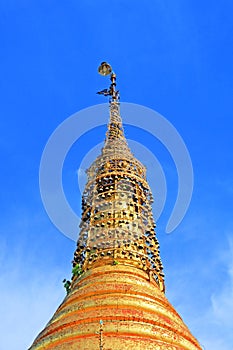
{"points": [[29, 296], [212, 322], [219, 332], [25, 309]]}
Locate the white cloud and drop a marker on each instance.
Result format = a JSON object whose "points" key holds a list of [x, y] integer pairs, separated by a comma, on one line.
{"points": [[28, 296], [202, 293], [222, 303], [25, 309], [216, 323]]}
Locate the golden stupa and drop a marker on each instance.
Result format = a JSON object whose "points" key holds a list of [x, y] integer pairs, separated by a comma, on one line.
{"points": [[116, 300]]}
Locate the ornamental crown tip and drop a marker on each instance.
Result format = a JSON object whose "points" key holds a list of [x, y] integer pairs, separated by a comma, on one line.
{"points": [[105, 69]]}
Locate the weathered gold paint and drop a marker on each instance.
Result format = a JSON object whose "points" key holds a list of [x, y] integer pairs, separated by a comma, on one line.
{"points": [[135, 314]]}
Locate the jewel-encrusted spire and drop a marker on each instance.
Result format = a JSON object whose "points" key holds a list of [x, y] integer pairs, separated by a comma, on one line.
{"points": [[117, 224]]}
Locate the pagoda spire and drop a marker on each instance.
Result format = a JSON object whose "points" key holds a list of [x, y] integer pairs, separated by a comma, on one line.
{"points": [[117, 224], [116, 297]]}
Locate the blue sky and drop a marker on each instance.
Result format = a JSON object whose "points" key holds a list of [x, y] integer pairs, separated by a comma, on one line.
{"points": [[172, 56]]}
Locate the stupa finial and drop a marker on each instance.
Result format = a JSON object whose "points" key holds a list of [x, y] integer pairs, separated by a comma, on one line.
{"points": [[105, 69]]}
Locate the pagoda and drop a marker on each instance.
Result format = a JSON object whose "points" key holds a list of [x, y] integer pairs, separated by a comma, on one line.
{"points": [[116, 297]]}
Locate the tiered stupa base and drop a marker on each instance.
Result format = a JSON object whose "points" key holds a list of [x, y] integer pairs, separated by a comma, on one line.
{"points": [[135, 315]]}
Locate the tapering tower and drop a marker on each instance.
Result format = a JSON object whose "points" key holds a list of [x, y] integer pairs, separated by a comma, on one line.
{"points": [[116, 297]]}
